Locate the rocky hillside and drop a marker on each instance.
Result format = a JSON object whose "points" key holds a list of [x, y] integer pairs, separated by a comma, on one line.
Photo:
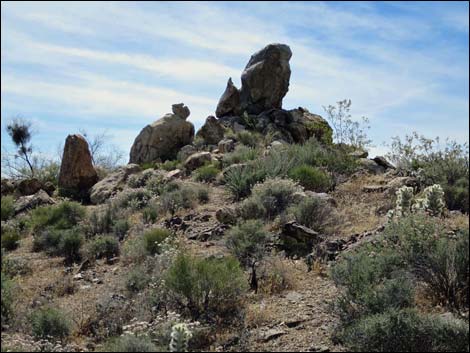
{"points": [[256, 233]]}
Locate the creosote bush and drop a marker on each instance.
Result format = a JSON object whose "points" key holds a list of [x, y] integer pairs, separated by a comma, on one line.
{"points": [[65, 215], [50, 322], [154, 238], [10, 238], [206, 173], [7, 207], [316, 214], [105, 246], [206, 286], [311, 178]]}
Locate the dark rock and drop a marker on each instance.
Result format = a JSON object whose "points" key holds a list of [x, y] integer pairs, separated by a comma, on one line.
{"points": [[383, 162], [226, 145], [227, 215], [298, 240], [28, 186], [49, 187], [212, 131], [265, 80], [77, 174], [229, 103]]}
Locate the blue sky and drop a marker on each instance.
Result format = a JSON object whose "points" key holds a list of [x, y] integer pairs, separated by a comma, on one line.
{"points": [[119, 66]]}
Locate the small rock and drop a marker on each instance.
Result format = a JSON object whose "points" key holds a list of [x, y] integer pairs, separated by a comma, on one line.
{"points": [[383, 162], [271, 334], [174, 174], [226, 145], [197, 160]]}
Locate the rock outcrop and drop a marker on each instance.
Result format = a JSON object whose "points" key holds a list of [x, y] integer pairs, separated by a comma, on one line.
{"points": [[212, 131], [229, 103], [77, 174], [163, 139], [25, 203], [197, 160], [265, 80], [28, 187], [109, 186]]}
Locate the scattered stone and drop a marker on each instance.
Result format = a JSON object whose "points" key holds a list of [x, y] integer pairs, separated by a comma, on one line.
{"points": [[77, 174], [226, 145], [319, 349], [271, 334], [186, 151], [212, 131], [25, 203], [298, 239], [371, 166], [78, 277], [162, 139], [383, 162], [197, 160], [109, 186], [374, 188], [174, 174], [49, 187]]}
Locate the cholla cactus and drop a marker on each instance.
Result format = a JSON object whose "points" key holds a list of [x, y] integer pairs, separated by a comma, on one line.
{"points": [[434, 200], [404, 200], [180, 336], [419, 205]]}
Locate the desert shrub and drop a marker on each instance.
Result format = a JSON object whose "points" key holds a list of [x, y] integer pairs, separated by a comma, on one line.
{"points": [[170, 165], [49, 322], [372, 284], [130, 343], [456, 195], [311, 178], [251, 208], [137, 279], [202, 194], [133, 251], [275, 195], [65, 215], [316, 214], [206, 173], [6, 298], [248, 138], [120, 228], [10, 238], [206, 286], [241, 154], [7, 207], [106, 246], [150, 214], [15, 266], [274, 276], [406, 331], [102, 220], [239, 181], [154, 238], [57, 242], [70, 244], [180, 198], [134, 199], [247, 242]]}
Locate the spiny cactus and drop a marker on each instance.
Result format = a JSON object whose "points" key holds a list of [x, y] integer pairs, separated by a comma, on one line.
{"points": [[180, 336], [404, 200], [434, 200]]}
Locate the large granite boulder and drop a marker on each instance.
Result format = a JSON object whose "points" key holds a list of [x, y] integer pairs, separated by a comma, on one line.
{"points": [[113, 183], [265, 80], [28, 186], [229, 103], [212, 131], [162, 139], [77, 174]]}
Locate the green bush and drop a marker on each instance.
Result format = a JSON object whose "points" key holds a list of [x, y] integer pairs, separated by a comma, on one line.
{"points": [[130, 343], [105, 246], [311, 178], [70, 244], [456, 195], [241, 154], [248, 138], [7, 208], [134, 199], [170, 165], [251, 208], [406, 331], [181, 198], [150, 214], [206, 173], [240, 180], [6, 298], [202, 194], [275, 195], [10, 238], [247, 242], [65, 215], [316, 214], [49, 322], [120, 228], [137, 279], [206, 285], [154, 238]]}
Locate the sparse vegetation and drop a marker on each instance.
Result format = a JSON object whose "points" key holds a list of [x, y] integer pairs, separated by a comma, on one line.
{"points": [[311, 178], [7, 207], [50, 322]]}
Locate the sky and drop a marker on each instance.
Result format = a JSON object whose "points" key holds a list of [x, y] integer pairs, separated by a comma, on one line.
{"points": [[115, 67]]}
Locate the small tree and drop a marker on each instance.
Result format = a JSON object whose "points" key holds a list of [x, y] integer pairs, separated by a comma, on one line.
{"points": [[20, 132], [345, 129]]}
